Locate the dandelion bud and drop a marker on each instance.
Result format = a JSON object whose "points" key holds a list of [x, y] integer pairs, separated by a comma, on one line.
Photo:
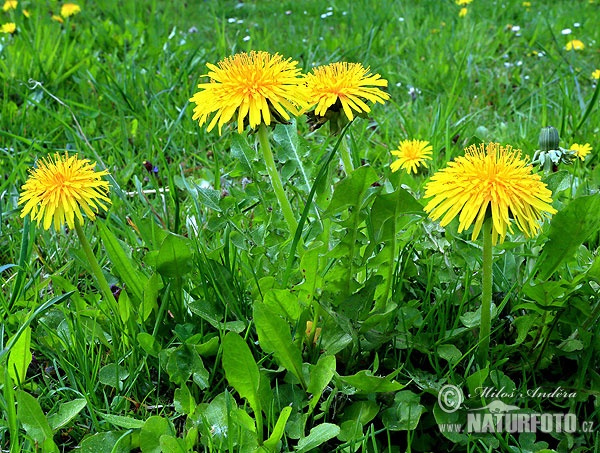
{"points": [[549, 139]]}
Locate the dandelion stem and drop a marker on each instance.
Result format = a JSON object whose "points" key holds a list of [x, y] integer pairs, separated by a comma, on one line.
{"points": [[284, 204], [486, 294], [346, 156], [96, 270]]}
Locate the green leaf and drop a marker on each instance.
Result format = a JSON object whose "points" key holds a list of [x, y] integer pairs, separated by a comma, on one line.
{"points": [[241, 369], [66, 412], [242, 153], [150, 297], [108, 442], [184, 401], [559, 181], [30, 414], [154, 427], [568, 230], [19, 357], [171, 444], [182, 363], [317, 436], [149, 344], [284, 303], [320, 375], [352, 190], [389, 207], [365, 382], [175, 257], [449, 353], [405, 413], [274, 337], [112, 375], [122, 421], [208, 197], [134, 280], [278, 430], [286, 136]]}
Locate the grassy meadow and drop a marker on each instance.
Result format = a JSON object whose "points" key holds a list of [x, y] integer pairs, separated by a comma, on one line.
{"points": [[356, 325]]}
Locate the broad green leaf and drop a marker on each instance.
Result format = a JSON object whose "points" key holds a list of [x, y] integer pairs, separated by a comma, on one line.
{"points": [[444, 418], [559, 181], [274, 337], [184, 362], [112, 375], [286, 136], [242, 153], [284, 303], [352, 190], [175, 256], [184, 401], [66, 412], [148, 344], [569, 228], [121, 421], [241, 369], [365, 382], [108, 442], [320, 376], [150, 297], [171, 444], [405, 413], [449, 353], [278, 430], [30, 414], [134, 280], [476, 380], [389, 207], [20, 356], [317, 436], [154, 427]]}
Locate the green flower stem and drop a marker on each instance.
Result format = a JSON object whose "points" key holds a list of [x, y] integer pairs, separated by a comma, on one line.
{"points": [[486, 294], [284, 204], [346, 156], [96, 270]]}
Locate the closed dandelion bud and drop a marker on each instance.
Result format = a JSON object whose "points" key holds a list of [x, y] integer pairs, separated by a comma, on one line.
{"points": [[548, 139]]}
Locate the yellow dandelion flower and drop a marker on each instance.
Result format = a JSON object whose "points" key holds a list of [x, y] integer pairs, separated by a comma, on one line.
{"points": [[9, 4], [463, 2], [58, 188], [596, 74], [26, 13], [526, 4], [58, 19], [411, 154], [463, 12], [581, 150], [344, 85], [489, 180], [69, 9], [257, 85], [9, 28], [575, 44]]}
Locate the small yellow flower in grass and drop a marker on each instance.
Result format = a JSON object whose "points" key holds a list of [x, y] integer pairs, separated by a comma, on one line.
{"points": [[575, 44], [526, 5], [411, 154], [59, 188], [9, 4], [69, 9], [344, 86], [256, 87], [489, 180], [9, 28], [58, 19], [463, 2], [581, 150], [463, 12], [26, 13], [596, 74], [309, 328]]}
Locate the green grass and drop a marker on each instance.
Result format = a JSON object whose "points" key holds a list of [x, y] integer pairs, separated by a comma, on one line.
{"points": [[200, 248]]}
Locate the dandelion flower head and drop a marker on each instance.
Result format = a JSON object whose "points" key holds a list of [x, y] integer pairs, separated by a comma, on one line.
{"points": [[69, 9], [463, 12], [596, 74], [581, 150], [411, 154], [489, 180], [345, 85], [60, 187], [463, 2], [256, 85], [575, 44], [9, 4], [9, 28]]}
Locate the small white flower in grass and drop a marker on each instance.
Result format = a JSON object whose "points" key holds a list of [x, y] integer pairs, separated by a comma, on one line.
{"points": [[566, 31]]}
